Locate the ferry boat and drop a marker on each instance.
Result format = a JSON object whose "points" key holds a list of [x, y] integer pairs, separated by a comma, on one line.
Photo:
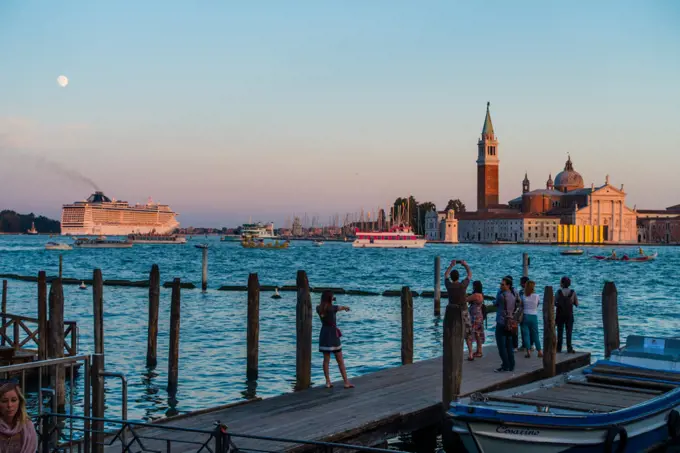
{"points": [[101, 243], [401, 237], [101, 215], [32, 230], [257, 231], [153, 238], [628, 403]]}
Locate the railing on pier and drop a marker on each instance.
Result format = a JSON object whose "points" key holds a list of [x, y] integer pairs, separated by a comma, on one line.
{"points": [[24, 334], [130, 437]]}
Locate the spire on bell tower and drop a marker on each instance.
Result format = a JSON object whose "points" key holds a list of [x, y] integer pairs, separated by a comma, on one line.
{"points": [[525, 184], [487, 164]]}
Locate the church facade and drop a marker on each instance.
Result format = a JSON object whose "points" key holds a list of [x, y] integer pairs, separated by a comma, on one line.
{"points": [[565, 211]]}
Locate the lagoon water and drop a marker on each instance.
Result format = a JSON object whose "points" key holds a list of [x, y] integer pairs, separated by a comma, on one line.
{"points": [[213, 324]]}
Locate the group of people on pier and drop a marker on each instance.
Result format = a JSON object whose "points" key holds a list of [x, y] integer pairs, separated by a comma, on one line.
{"points": [[516, 314]]}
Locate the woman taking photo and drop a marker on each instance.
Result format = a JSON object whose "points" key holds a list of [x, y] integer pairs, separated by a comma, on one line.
{"points": [[329, 337], [17, 433]]}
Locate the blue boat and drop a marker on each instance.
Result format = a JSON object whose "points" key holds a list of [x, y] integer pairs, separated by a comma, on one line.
{"points": [[628, 403]]}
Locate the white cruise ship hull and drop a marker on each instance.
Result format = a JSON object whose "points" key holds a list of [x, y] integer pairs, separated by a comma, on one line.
{"points": [[389, 244]]}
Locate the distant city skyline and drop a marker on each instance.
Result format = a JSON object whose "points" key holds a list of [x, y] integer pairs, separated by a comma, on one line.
{"points": [[229, 111]]}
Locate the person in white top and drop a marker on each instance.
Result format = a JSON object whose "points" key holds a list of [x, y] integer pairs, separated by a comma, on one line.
{"points": [[529, 326]]}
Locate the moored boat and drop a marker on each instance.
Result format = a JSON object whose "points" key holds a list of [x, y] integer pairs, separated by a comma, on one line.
{"points": [[572, 252], [401, 237], [101, 243], [57, 246], [628, 403], [640, 258]]}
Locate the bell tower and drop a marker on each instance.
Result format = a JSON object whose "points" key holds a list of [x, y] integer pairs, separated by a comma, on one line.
{"points": [[487, 165], [526, 185]]}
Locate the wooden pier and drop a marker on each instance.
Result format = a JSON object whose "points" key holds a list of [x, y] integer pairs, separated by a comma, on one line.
{"points": [[391, 401]]}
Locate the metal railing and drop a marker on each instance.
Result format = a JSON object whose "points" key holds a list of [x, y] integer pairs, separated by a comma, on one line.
{"points": [[159, 438]]}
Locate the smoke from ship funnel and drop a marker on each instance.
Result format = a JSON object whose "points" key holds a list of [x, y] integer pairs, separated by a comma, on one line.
{"points": [[69, 173]]}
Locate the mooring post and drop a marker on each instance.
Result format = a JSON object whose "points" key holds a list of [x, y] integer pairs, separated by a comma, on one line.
{"points": [[154, 300], [453, 349], [97, 384], [98, 310], [173, 355], [610, 318], [61, 264], [437, 285], [253, 329], [4, 310], [303, 329], [549, 337], [406, 326], [42, 316], [56, 340], [204, 280], [525, 264]]}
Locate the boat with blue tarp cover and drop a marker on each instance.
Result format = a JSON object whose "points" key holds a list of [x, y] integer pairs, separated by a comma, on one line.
{"points": [[627, 403]]}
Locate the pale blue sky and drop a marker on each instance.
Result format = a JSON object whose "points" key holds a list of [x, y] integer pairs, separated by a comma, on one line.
{"points": [[227, 110]]}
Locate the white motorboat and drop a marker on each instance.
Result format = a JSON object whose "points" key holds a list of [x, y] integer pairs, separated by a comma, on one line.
{"points": [[57, 246], [32, 230], [317, 243], [629, 403]]}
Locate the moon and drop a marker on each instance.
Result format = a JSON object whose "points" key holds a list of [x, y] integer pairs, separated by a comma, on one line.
{"points": [[62, 80]]}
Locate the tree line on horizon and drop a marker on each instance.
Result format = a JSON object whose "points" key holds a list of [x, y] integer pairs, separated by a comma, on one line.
{"points": [[418, 210], [13, 222]]}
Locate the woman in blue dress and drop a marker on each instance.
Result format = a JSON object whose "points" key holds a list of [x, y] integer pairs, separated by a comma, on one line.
{"points": [[329, 337]]}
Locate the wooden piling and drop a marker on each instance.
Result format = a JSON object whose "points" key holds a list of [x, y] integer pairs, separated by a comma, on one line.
{"points": [[42, 316], [406, 326], [610, 318], [525, 264], [98, 310], [56, 340], [303, 329], [437, 285], [204, 280], [154, 300], [549, 337], [253, 330], [4, 310], [173, 355], [97, 384], [61, 265], [452, 361]]}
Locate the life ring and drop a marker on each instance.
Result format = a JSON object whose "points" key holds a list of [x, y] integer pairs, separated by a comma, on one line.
{"points": [[673, 424], [612, 433]]}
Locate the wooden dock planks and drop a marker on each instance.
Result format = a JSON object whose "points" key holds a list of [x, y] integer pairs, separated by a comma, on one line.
{"points": [[382, 404]]}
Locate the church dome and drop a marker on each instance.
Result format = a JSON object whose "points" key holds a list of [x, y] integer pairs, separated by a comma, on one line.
{"points": [[568, 179]]}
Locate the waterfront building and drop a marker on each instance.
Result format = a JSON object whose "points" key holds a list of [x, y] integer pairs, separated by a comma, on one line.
{"points": [[659, 226], [564, 211], [441, 226], [99, 215]]}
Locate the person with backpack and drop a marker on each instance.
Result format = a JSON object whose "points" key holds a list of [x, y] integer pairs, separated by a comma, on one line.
{"points": [[477, 317], [564, 317], [506, 325]]}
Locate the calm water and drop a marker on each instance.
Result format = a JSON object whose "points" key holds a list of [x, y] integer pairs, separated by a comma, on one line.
{"points": [[213, 329]]}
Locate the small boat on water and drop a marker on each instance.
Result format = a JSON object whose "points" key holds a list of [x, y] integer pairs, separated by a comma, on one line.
{"points": [[57, 246], [230, 238], [629, 403], [82, 285], [201, 246], [101, 243], [32, 230], [572, 252], [627, 258], [317, 243]]}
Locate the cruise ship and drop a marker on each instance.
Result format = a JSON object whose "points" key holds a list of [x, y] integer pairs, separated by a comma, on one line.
{"points": [[99, 215]]}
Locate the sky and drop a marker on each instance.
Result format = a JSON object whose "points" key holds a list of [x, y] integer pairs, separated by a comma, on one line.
{"points": [[230, 111]]}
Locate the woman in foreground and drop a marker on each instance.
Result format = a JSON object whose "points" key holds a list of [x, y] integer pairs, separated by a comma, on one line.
{"points": [[329, 337], [17, 433]]}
